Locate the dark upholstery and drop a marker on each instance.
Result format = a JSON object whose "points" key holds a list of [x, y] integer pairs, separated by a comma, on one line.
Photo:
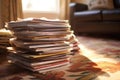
{"points": [[83, 20], [116, 3], [88, 16], [112, 15]]}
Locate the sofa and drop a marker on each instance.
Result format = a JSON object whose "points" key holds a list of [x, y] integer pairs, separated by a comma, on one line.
{"points": [[94, 21]]}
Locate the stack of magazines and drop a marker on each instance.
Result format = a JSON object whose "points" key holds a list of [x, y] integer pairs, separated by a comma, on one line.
{"points": [[42, 44], [5, 35]]}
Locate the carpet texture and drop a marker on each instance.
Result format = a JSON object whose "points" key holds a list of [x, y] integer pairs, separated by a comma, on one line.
{"points": [[99, 59]]}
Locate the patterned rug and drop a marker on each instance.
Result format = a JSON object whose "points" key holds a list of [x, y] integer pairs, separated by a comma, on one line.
{"points": [[99, 59]]}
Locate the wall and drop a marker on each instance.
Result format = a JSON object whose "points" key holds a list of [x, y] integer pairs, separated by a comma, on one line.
{"points": [[42, 14]]}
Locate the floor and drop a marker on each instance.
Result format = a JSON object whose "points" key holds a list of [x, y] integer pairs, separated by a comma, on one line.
{"points": [[99, 59], [105, 51]]}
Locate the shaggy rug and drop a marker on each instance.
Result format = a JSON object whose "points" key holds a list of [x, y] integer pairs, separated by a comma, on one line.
{"points": [[99, 59]]}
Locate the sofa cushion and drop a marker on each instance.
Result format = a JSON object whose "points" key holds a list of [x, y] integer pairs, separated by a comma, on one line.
{"points": [[100, 4], [112, 15], [89, 15], [116, 3]]}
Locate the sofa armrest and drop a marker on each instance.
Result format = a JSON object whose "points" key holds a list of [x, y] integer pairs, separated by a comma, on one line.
{"points": [[76, 7], [72, 8]]}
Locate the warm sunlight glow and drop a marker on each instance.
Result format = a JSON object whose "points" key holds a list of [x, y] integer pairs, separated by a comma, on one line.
{"points": [[41, 5], [93, 55]]}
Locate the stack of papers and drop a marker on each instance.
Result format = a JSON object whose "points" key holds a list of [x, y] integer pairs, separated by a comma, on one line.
{"points": [[42, 44], [5, 35]]}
